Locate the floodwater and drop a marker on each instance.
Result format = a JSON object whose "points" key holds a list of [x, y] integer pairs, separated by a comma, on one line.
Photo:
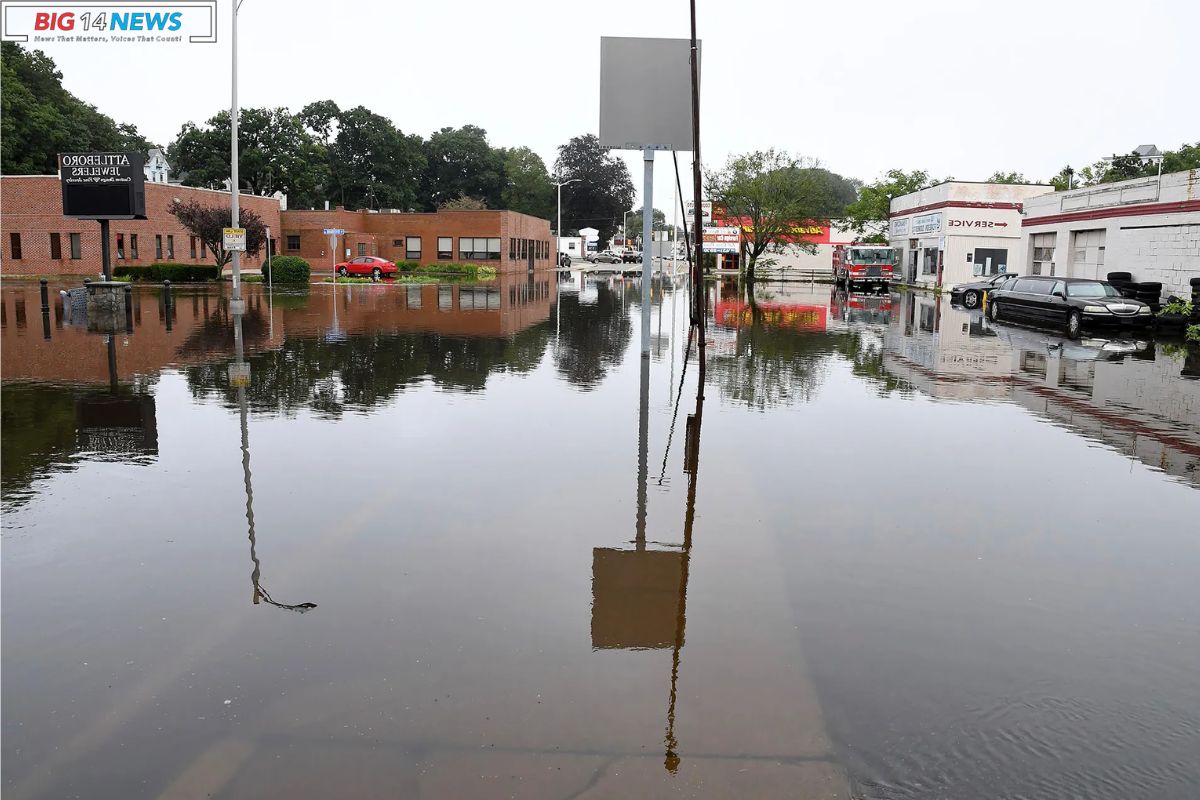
{"points": [[463, 541]]}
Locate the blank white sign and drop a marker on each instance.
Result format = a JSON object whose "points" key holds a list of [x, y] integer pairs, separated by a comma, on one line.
{"points": [[645, 93]]}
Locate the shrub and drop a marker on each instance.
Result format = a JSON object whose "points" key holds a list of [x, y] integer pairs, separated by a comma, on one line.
{"points": [[287, 269], [408, 266], [1176, 306], [1193, 333], [167, 271], [448, 268]]}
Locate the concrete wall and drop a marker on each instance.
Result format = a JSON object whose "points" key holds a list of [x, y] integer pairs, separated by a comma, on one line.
{"points": [[1151, 228]]}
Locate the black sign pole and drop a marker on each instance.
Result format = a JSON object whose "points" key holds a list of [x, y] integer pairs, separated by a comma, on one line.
{"points": [[104, 249]]}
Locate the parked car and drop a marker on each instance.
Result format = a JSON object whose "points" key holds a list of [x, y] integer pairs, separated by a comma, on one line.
{"points": [[1073, 302], [972, 294], [631, 256], [374, 266], [606, 257]]}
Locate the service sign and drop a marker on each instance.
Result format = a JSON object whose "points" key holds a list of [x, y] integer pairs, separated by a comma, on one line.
{"points": [[103, 185], [722, 240], [234, 239]]}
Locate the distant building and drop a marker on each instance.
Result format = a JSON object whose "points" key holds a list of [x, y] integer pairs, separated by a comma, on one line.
{"points": [[157, 169], [956, 231], [507, 240], [1148, 227]]}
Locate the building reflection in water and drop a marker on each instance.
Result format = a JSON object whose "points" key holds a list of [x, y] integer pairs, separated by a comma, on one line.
{"points": [[639, 595], [1123, 390]]}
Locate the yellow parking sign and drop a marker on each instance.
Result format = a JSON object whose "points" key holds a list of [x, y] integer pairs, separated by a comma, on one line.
{"points": [[234, 239]]}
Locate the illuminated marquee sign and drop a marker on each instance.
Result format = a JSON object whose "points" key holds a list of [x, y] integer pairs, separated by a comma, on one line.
{"points": [[103, 185]]}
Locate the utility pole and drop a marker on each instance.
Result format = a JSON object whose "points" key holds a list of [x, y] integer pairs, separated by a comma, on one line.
{"points": [[699, 311], [558, 232], [235, 214]]}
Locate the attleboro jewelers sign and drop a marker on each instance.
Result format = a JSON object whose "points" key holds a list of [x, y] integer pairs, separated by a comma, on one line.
{"points": [[103, 185]]}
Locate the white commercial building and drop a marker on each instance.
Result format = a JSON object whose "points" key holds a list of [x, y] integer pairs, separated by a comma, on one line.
{"points": [[1148, 227], [956, 231]]}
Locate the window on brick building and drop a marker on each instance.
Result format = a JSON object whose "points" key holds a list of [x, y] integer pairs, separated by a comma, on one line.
{"points": [[14, 246], [158, 246], [362, 248], [55, 246], [170, 246], [120, 246], [192, 245], [76, 246], [512, 248], [293, 242], [479, 248], [133, 246], [412, 248], [397, 243], [445, 248]]}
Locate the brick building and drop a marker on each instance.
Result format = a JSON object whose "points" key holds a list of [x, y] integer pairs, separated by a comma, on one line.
{"points": [[509, 241], [36, 239]]}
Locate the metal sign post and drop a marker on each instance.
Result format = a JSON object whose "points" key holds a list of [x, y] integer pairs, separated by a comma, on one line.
{"points": [[333, 234], [647, 244]]}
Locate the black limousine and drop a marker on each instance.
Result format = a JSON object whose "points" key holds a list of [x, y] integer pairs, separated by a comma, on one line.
{"points": [[1073, 302]]}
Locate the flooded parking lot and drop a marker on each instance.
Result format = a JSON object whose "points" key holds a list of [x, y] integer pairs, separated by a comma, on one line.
{"points": [[463, 541]]}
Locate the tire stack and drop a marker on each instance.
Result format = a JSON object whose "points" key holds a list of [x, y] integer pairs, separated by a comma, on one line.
{"points": [[1149, 292]]}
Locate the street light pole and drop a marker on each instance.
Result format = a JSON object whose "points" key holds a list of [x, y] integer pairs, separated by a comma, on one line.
{"points": [[558, 232], [233, 163]]}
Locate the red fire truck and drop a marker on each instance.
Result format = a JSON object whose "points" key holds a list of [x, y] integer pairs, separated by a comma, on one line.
{"points": [[863, 265]]}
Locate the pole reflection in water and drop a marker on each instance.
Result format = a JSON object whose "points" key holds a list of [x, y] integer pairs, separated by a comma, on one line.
{"points": [[691, 466], [239, 375], [639, 596]]}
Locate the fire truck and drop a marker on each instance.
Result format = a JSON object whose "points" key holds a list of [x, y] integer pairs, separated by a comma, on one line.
{"points": [[863, 266]]}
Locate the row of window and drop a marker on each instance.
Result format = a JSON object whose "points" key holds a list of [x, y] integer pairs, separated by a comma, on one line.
{"points": [[470, 248], [196, 248]]}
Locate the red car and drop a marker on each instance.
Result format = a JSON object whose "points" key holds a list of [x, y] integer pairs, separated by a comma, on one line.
{"points": [[374, 266]]}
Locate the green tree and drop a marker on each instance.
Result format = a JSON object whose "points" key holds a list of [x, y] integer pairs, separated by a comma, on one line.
{"points": [[633, 223], [1007, 177], [464, 203], [207, 223], [40, 119], [276, 153], [604, 191], [770, 192], [1181, 160], [840, 190], [460, 162], [372, 164], [868, 216], [527, 185]]}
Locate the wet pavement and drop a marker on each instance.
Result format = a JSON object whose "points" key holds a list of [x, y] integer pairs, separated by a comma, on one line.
{"points": [[462, 541]]}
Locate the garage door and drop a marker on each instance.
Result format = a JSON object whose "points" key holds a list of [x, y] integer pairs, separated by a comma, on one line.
{"points": [[1087, 254]]}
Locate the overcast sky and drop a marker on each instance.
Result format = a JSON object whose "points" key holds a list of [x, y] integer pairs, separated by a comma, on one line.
{"points": [[958, 88]]}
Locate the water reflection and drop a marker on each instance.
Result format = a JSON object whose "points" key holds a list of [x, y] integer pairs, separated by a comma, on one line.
{"points": [[1122, 391]]}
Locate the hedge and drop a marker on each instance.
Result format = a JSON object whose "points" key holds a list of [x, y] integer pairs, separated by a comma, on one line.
{"points": [[167, 271], [287, 269], [449, 268]]}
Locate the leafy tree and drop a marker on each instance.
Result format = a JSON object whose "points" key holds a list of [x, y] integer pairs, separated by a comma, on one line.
{"points": [[868, 216], [372, 163], [207, 223], [840, 190], [320, 117], [1064, 180], [40, 119], [276, 153], [1007, 177], [605, 190], [527, 185], [770, 192], [460, 162], [633, 223], [464, 203], [1185, 158]]}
